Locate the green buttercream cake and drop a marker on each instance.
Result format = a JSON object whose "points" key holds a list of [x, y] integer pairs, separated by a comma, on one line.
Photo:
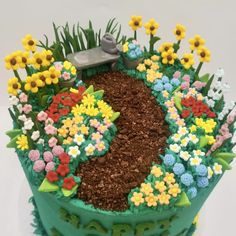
{"points": [[116, 138]]}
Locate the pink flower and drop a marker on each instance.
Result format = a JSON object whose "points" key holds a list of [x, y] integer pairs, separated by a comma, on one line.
{"points": [[52, 142], [34, 155], [227, 136], [198, 84], [177, 74], [107, 122], [42, 116], [58, 66], [66, 75], [230, 118], [96, 136], [23, 97], [39, 166], [50, 129], [94, 123], [224, 129], [57, 150], [47, 156], [186, 78], [27, 108], [185, 85], [49, 121], [100, 146], [50, 166]]}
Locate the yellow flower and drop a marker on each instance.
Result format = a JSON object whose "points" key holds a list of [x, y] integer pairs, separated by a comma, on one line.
{"points": [[13, 86], [33, 83], [164, 198], [155, 58], [160, 186], [68, 141], [13, 61], [179, 32], [146, 188], [88, 100], [22, 142], [169, 178], [29, 43], [211, 139], [151, 200], [67, 123], [148, 62], [24, 59], [151, 27], [84, 129], [137, 198], [193, 128], [174, 190], [78, 119], [42, 76], [91, 111], [156, 171], [52, 76], [135, 22], [67, 65], [204, 54], [187, 61], [73, 70], [78, 110], [196, 42], [49, 59], [141, 67], [154, 66], [106, 111], [125, 47], [38, 60], [168, 57], [73, 130], [165, 47], [63, 132]]}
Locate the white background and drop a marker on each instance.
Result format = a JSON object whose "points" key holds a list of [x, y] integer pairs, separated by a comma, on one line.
{"points": [[215, 20]]}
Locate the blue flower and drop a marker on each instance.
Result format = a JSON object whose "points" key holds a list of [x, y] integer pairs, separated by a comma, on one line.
{"points": [[132, 46], [178, 168], [165, 79], [168, 87], [132, 54], [192, 192], [158, 86], [202, 182], [186, 179], [175, 82], [201, 170], [169, 160]]}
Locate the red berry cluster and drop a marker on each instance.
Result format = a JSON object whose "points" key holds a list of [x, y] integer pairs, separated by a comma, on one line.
{"points": [[62, 170], [195, 107], [63, 102]]}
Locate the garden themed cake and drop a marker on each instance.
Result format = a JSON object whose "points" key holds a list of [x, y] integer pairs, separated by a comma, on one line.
{"points": [[116, 138]]}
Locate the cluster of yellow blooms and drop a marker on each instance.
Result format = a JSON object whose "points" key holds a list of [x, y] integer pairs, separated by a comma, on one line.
{"points": [[89, 106], [166, 188], [22, 142], [151, 67], [208, 126]]}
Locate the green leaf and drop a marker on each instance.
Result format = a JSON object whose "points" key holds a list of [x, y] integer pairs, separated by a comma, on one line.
{"points": [[224, 164], [154, 39], [89, 90], [183, 201], [12, 143], [46, 186], [177, 101], [219, 104], [115, 116], [67, 192], [13, 133], [204, 78], [44, 100], [208, 85], [98, 94], [203, 141]]}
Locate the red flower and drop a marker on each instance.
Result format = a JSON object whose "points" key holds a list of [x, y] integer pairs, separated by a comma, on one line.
{"points": [[186, 113], [198, 114], [211, 114], [64, 158], [64, 111], [52, 176], [81, 89], [69, 183], [67, 102], [63, 170]]}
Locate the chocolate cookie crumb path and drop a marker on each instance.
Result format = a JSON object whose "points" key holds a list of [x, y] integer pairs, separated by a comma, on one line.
{"points": [[141, 137]]}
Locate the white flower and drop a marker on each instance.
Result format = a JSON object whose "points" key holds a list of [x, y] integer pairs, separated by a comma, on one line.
{"points": [[35, 135], [184, 155], [19, 107], [229, 105], [210, 102], [210, 93], [28, 124], [221, 116], [219, 73], [195, 161], [182, 131], [184, 142], [13, 100], [210, 172], [217, 96], [41, 141], [24, 130], [198, 153], [74, 151], [176, 137], [225, 88], [193, 138], [217, 169], [218, 85], [89, 150], [22, 118], [175, 148], [79, 139]]}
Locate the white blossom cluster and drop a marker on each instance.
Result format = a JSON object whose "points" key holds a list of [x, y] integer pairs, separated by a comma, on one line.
{"points": [[227, 108]]}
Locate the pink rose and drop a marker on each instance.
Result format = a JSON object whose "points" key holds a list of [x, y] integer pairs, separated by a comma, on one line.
{"points": [[34, 155], [177, 75], [57, 150], [66, 76], [39, 166], [230, 119], [42, 116], [27, 108], [23, 97], [48, 156], [58, 65], [185, 85], [52, 142], [49, 121], [50, 166], [50, 129], [186, 78], [198, 84]]}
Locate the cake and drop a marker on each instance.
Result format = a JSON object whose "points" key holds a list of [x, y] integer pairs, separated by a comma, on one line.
{"points": [[116, 138]]}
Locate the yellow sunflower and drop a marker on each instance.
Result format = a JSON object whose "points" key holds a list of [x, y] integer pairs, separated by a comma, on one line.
{"points": [[165, 47], [187, 61], [33, 83], [13, 86], [29, 43], [196, 42], [179, 32], [168, 57], [52, 76], [49, 59], [151, 27], [13, 61], [204, 54], [38, 60], [24, 56], [135, 22]]}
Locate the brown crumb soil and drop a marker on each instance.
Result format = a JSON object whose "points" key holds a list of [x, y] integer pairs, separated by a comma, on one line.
{"points": [[141, 137]]}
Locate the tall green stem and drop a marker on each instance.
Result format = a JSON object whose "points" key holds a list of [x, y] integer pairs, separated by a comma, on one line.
{"points": [[151, 44], [135, 34], [199, 68], [17, 75], [177, 46]]}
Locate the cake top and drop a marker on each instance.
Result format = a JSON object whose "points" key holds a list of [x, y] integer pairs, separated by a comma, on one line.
{"points": [[149, 136]]}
